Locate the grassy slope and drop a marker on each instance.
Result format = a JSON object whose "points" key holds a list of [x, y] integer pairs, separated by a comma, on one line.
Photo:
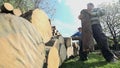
{"points": [[95, 61]]}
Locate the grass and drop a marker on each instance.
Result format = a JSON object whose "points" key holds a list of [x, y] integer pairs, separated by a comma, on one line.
{"points": [[95, 61]]}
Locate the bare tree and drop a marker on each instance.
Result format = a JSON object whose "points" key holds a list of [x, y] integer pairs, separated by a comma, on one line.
{"points": [[111, 21], [47, 5], [36, 3]]}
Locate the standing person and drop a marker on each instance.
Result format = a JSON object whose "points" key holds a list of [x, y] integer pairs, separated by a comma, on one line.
{"points": [[98, 34], [78, 36]]}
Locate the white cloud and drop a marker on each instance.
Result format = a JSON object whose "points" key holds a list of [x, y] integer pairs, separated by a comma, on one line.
{"points": [[59, 1], [77, 5], [67, 29]]}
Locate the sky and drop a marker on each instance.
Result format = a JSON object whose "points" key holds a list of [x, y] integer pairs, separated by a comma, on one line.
{"points": [[67, 11]]}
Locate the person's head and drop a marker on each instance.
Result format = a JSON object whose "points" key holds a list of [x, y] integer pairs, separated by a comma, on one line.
{"points": [[90, 6], [80, 29]]}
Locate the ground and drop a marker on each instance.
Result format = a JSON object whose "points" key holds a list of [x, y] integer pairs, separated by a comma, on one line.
{"points": [[95, 61]]}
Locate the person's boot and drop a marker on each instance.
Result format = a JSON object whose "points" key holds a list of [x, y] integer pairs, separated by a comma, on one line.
{"points": [[83, 59], [113, 60], [83, 56]]}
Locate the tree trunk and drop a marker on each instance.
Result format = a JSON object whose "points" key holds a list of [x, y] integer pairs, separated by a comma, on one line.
{"points": [[75, 49], [69, 47], [68, 41], [17, 12], [72, 47], [40, 20], [6, 8], [57, 53], [21, 46], [37, 2], [115, 43]]}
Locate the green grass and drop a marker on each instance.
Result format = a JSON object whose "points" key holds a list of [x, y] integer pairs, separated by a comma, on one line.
{"points": [[95, 61]]}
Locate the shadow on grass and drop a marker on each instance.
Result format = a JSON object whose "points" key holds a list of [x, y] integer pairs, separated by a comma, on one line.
{"points": [[94, 61], [79, 64]]}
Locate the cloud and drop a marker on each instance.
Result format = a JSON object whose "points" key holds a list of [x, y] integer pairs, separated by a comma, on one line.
{"points": [[77, 5], [66, 29], [74, 5], [59, 1]]}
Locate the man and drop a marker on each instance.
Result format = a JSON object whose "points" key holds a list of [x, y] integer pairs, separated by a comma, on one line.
{"points": [[78, 34], [98, 34]]}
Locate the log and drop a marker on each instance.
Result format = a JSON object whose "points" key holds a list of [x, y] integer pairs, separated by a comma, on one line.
{"points": [[58, 33], [17, 12], [75, 49], [76, 38], [53, 57], [70, 52], [21, 46], [72, 48], [87, 37], [53, 30], [68, 41], [41, 21], [61, 49], [7, 8]]}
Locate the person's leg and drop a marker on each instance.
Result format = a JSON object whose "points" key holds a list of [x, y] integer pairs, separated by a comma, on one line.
{"points": [[83, 55], [101, 40]]}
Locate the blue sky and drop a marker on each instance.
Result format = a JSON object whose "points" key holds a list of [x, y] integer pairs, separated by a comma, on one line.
{"points": [[63, 12], [67, 11], [64, 19]]}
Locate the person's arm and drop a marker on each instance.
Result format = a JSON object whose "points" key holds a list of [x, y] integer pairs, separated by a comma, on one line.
{"points": [[81, 14], [97, 12], [101, 12], [74, 35]]}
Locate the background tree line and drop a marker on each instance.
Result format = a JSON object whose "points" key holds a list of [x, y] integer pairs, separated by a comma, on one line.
{"points": [[25, 5], [111, 23]]}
